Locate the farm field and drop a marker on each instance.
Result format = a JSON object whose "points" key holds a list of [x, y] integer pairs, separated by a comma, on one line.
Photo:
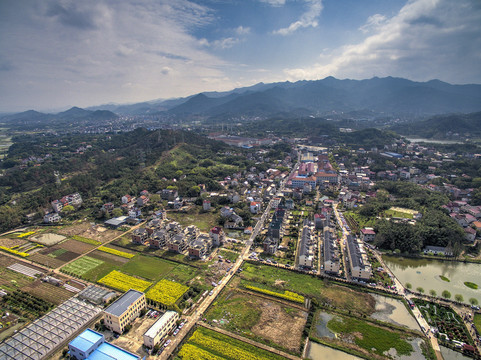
{"points": [[209, 344], [271, 322], [275, 279], [166, 292], [81, 266], [51, 293], [148, 267], [119, 281]]}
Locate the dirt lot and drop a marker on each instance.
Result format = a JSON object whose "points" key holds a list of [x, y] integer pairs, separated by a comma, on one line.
{"points": [[85, 229], [47, 239], [75, 246], [280, 324]]}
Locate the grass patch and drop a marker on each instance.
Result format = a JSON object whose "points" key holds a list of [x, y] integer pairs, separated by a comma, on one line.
{"points": [[229, 255], [398, 214], [477, 320], [370, 337], [183, 274], [148, 267], [203, 220], [57, 252], [444, 278], [471, 285], [81, 266], [98, 272]]}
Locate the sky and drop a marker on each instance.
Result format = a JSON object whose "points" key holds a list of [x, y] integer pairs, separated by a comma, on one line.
{"points": [[55, 54]]}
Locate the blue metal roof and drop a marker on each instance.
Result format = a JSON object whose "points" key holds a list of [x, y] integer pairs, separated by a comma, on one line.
{"points": [[85, 340], [108, 351]]}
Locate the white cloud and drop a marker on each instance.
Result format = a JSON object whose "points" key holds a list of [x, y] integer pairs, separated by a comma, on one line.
{"points": [[241, 30], [373, 23], [427, 39], [308, 19], [224, 43], [274, 2]]}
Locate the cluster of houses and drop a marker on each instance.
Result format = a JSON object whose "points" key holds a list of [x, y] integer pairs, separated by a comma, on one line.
{"points": [[162, 234], [467, 216], [53, 216], [359, 263], [331, 253]]}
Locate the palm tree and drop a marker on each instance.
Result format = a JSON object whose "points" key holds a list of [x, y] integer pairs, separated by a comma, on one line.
{"points": [[473, 301], [420, 290], [432, 292], [459, 297], [446, 294]]}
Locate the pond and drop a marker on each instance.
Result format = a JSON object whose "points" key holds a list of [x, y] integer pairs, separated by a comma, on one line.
{"points": [[322, 352], [393, 311], [426, 273], [321, 327]]}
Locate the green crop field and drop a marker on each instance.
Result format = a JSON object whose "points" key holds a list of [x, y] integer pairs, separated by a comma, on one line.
{"points": [[81, 266], [148, 267]]}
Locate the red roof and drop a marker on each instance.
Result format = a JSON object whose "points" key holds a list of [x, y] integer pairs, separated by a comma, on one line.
{"points": [[368, 232]]}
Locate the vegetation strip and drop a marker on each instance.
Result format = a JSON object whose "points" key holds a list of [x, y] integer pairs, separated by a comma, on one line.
{"points": [[86, 240], [116, 252], [166, 292], [12, 251], [287, 295]]}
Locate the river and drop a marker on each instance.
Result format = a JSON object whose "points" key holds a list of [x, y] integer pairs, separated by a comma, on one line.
{"points": [[426, 273]]}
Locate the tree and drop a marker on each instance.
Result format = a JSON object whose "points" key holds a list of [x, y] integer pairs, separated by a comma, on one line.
{"points": [[67, 209], [420, 290], [117, 212], [446, 294], [409, 286], [459, 297], [473, 301], [432, 292]]}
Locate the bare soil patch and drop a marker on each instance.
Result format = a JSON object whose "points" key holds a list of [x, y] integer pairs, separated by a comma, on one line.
{"points": [[95, 232], [76, 246], [47, 239], [46, 260], [6, 261], [8, 242], [67, 256], [280, 324]]}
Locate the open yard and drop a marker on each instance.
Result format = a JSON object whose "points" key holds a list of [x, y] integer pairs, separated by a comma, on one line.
{"points": [[258, 318], [203, 220]]}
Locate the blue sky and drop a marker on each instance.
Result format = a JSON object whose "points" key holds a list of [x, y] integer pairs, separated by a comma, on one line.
{"points": [[60, 53]]}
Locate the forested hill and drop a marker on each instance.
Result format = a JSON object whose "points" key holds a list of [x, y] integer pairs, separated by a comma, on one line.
{"points": [[444, 126], [320, 127], [105, 167]]}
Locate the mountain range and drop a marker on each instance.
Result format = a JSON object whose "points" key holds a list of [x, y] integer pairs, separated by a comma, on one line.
{"points": [[388, 96], [329, 98]]}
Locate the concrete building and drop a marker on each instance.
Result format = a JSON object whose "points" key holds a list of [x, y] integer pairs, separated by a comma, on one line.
{"points": [[306, 257], [160, 328], [91, 345], [123, 310], [360, 266], [332, 263], [368, 234]]}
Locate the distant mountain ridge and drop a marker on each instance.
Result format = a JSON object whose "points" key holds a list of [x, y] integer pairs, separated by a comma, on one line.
{"points": [[319, 97], [35, 119]]}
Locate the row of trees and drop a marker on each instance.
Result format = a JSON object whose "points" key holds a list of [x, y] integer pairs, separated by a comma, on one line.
{"points": [[445, 294]]}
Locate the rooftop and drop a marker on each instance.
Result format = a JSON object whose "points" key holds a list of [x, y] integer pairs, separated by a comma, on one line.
{"points": [[159, 324], [85, 340], [121, 305], [107, 351]]}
